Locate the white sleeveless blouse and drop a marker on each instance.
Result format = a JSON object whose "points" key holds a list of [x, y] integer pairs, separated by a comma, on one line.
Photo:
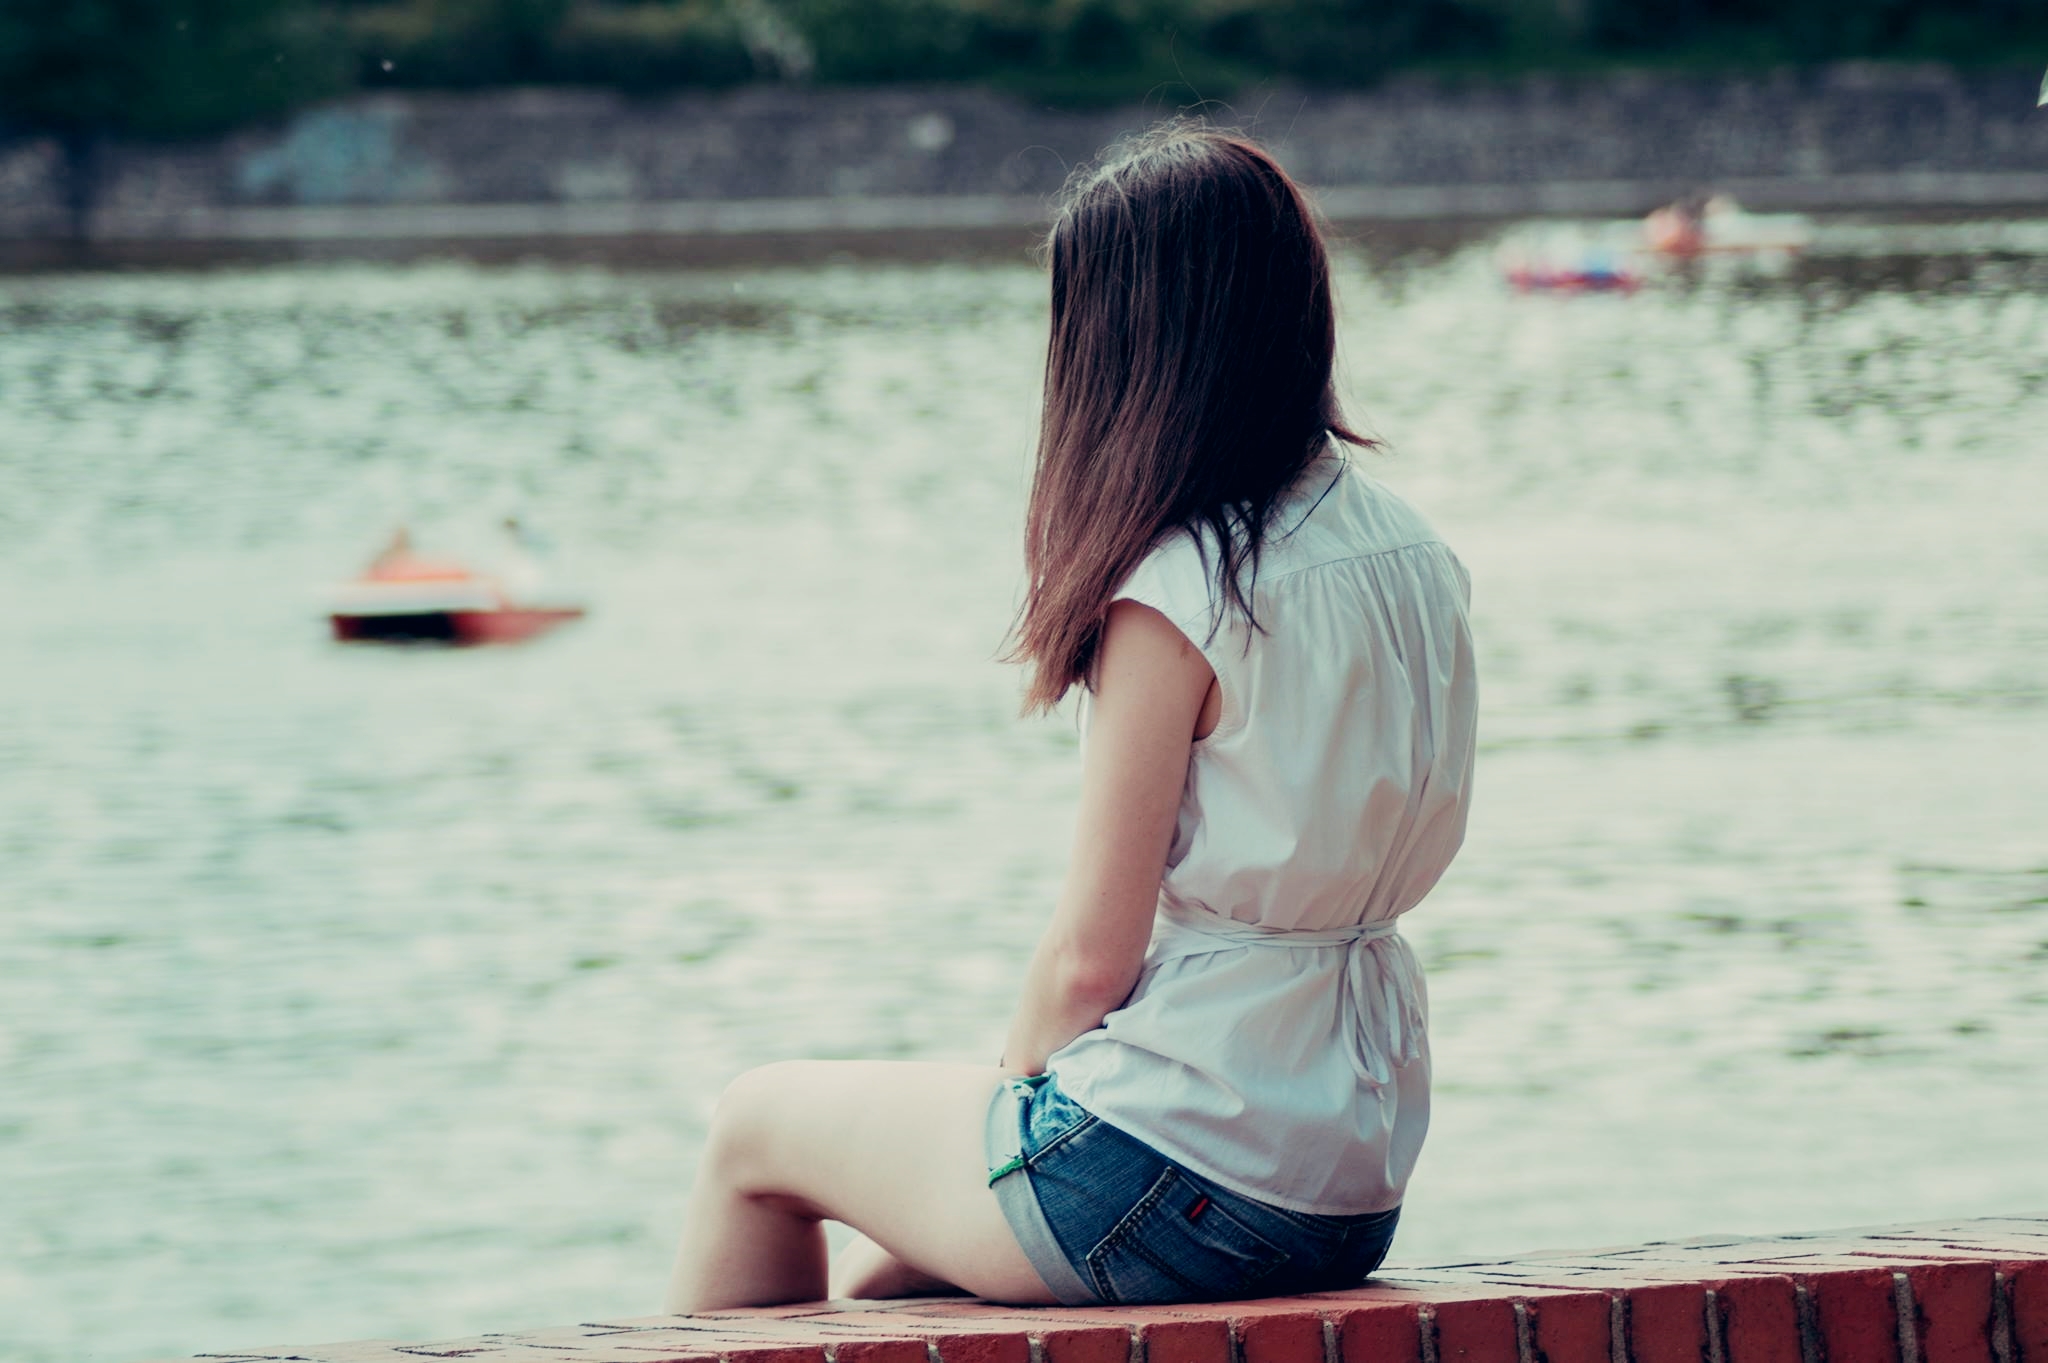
{"points": [[1275, 1040]]}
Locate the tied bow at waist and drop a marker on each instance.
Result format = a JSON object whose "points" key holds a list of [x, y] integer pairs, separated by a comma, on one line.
{"points": [[1380, 1002]]}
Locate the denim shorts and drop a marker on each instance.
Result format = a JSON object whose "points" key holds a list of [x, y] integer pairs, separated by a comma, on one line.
{"points": [[1106, 1219]]}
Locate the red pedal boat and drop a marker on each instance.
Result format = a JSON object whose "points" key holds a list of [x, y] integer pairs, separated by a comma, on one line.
{"points": [[405, 597]]}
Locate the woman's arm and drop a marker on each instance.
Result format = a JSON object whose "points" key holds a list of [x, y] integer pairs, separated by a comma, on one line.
{"points": [[1150, 689]]}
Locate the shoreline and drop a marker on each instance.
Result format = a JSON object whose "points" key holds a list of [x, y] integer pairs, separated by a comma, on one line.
{"points": [[1844, 236], [764, 162], [853, 214]]}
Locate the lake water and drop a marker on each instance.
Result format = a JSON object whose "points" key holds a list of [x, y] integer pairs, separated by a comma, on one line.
{"points": [[360, 992]]}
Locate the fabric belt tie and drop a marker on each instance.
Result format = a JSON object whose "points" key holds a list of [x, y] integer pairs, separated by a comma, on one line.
{"points": [[1380, 1001]]}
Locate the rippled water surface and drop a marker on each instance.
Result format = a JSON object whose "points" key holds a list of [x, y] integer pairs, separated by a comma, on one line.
{"points": [[359, 992]]}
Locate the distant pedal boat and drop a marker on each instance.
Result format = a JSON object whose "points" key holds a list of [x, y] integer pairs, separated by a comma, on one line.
{"points": [[1725, 227], [1577, 279], [428, 601]]}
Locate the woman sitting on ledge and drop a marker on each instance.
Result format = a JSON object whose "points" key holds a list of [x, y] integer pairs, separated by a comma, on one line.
{"points": [[1217, 1080]]}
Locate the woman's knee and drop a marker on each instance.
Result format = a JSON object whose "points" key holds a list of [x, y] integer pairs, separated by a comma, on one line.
{"points": [[751, 1123]]}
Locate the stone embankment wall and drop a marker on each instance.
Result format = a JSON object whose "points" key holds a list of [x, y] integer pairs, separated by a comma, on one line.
{"points": [[1969, 1292], [549, 162]]}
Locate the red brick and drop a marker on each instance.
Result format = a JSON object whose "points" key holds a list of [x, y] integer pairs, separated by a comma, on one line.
{"points": [[938, 1308], [764, 1352], [1901, 1254], [1621, 1277], [1378, 1332], [1854, 1313], [993, 1334], [2001, 1237], [1952, 1311], [1066, 1335], [1759, 1319], [687, 1322], [1413, 1295], [656, 1346], [1714, 1248], [1789, 1247], [1612, 1279], [879, 1351], [1477, 1331], [1667, 1324], [954, 1347], [363, 1350], [1572, 1327], [1183, 1341], [1193, 1332], [1084, 1344], [2027, 1294], [374, 1350], [1873, 1254], [1838, 1245], [1696, 1257], [642, 1347], [466, 1350], [1284, 1336], [573, 1336], [724, 1334], [727, 1331], [1409, 1287]]}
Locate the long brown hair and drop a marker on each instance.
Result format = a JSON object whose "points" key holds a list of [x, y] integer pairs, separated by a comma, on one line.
{"points": [[1187, 383]]}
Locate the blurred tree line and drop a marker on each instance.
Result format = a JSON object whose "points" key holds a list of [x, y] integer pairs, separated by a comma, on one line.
{"points": [[169, 68]]}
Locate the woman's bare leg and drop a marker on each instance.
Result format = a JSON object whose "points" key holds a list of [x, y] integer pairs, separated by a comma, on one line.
{"points": [[892, 1149]]}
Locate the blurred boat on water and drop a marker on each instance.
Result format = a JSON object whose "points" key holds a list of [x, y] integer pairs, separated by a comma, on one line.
{"points": [[1622, 256], [1588, 276], [1561, 258], [1719, 225], [406, 597]]}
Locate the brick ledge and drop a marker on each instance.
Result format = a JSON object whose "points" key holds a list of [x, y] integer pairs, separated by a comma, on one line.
{"points": [[1946, 1292]]}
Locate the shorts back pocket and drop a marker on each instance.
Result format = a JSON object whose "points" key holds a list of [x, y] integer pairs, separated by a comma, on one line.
{"points": [[1179, 1244]]}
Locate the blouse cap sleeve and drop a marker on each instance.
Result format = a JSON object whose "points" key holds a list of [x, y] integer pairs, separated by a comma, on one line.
{"points": [[1179, 581]]}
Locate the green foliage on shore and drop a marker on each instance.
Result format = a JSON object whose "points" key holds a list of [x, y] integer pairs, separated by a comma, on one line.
{"points": [[1118, 49], [177, 67], [160, 69], [466, 44]]}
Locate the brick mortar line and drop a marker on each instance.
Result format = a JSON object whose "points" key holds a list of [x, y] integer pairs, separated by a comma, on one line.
{"points": [[1711, 1310], [1806, 1319], [1902, 1305], [2003, 1349]]}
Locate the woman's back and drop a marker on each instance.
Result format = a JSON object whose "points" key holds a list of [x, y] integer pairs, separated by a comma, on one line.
{"points": [[1274, 1041]]}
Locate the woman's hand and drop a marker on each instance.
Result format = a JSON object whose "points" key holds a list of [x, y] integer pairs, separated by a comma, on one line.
{"points": [[1151, 686]]}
